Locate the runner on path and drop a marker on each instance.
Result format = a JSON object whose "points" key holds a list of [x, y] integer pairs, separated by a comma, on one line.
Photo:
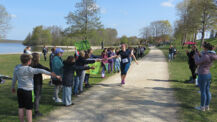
{"points": [[125, 55]]}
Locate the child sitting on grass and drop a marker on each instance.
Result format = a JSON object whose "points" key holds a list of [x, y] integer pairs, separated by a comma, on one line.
{"points": [[24, 74]]}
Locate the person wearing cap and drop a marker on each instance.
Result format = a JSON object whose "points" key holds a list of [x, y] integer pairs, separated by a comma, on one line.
{"points": [[57, 67]]}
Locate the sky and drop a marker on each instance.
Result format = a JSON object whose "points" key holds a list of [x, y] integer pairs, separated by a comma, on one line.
{"points": [[127, 16]]}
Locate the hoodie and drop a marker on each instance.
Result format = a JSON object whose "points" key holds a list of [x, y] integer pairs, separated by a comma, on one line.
{"points": [[205, 61]]}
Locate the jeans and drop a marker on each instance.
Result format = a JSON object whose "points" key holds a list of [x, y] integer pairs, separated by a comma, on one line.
{"points": [[204, 84], [110, 66], [67, 93], [117, 65], [86, 79], [103, 70], [81, 81], [170, 56], [76, 84]]}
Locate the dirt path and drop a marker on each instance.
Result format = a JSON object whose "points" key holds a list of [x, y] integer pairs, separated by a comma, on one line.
{"points": [[146, 97]]}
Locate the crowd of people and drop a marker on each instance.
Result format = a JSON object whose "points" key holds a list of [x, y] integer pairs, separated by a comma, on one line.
{"points": [[199, 65], [68, 75]]}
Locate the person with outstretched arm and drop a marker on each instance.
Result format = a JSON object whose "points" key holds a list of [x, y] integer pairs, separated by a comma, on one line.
{"points": [[125, 55], [23, 73]]}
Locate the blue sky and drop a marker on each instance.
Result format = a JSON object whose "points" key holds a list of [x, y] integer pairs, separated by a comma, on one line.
{"points": [[127, 16]]}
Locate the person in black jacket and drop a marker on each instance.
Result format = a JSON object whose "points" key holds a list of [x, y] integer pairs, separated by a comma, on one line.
{"points": [[81, 61], [37, 82], [69, 69], [191, 62]]}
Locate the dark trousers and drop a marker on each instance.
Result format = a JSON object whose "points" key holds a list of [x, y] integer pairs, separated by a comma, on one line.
{"points": [[193, 70], [86, 79], [37, 92]]}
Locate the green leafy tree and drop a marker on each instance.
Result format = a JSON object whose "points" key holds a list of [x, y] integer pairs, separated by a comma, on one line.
{"points": [[84, 18], [124, 40]]}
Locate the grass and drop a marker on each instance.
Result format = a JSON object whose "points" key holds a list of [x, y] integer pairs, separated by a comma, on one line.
{"points": [[8, 101], [179, 72]]}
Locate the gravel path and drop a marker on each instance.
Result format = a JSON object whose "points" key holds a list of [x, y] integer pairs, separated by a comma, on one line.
{"points": [[146, 97]]}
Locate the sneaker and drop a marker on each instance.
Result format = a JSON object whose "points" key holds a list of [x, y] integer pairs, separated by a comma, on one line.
{"points": [[207, 108], [58, 100], [53, 98], [103, 75], [122, 82], [200, 108]]}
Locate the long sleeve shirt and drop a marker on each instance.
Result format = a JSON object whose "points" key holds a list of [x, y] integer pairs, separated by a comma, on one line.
{"points": [[24, 76], [205, 61]]}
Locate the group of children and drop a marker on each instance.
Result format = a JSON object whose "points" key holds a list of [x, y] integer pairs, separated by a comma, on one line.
{"points": [[67, 75]]}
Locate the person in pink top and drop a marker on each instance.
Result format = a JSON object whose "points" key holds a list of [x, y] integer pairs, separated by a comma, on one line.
{"points": [[104, 55], [205, 60]]}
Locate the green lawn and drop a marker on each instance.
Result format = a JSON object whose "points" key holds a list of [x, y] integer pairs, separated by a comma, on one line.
{"points": [[187, 93], [8, 101]]}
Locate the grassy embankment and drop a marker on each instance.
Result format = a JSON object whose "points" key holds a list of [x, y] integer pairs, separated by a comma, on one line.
{"points": [[8, 101], [187, 93]]}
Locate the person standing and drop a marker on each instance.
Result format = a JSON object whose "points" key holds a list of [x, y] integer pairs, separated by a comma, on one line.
{"points": [[69, 69], [23, 73], [57, 67], [171, 53], [45, 51], [27, 50], [104, 55], [191, 63], [205, 60], [37, 82]]}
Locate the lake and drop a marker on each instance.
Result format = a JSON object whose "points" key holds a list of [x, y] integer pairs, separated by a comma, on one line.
{"points": [[6, 48]]}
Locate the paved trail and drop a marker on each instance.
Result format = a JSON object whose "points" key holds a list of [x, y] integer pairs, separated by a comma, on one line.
{"points": [[146, 97]]}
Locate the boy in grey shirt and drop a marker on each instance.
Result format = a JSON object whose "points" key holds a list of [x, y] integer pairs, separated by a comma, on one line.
{"points": [[24, 74]]}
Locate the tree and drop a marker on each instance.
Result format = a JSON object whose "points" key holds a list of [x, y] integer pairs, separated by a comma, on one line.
{"points": [[208, 16], [4, 21], [39, 36], [57, 34], [124, 40], [84, 18]]}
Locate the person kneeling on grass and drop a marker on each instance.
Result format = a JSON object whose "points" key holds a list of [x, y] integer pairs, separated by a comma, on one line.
{"points": [[205, 60], [24, 74], [69, 69]]}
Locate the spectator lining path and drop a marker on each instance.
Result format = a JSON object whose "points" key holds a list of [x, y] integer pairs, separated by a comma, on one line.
{"points": [[146, 97]]}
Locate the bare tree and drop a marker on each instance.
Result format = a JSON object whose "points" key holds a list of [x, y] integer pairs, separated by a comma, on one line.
{"points": [[4, 21]]}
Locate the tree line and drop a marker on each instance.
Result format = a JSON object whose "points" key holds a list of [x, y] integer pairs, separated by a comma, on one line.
{"points": [[195, 16], [83, 24], [157, 32]]}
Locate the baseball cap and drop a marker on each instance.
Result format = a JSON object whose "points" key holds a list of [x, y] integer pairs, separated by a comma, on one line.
{"points": [[59, 50]]}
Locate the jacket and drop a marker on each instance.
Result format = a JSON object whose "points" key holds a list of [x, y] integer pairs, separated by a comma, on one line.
{"points": [[57, 66], [81, 61], [38, 77], [69, 71], [205, 61]]}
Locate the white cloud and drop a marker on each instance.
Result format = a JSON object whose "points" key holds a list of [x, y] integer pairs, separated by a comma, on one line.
{"points": [[168, 3], [13, 16]]}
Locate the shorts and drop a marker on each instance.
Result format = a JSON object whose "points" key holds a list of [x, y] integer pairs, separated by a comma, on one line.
{"points": [[124, 68], [56, 82], [25, 99]]}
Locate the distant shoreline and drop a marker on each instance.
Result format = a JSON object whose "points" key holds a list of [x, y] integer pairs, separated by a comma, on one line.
{"points": [[11, 41]]}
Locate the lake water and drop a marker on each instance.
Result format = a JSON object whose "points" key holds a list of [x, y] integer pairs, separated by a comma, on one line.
{"points": [[11, 48]]}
